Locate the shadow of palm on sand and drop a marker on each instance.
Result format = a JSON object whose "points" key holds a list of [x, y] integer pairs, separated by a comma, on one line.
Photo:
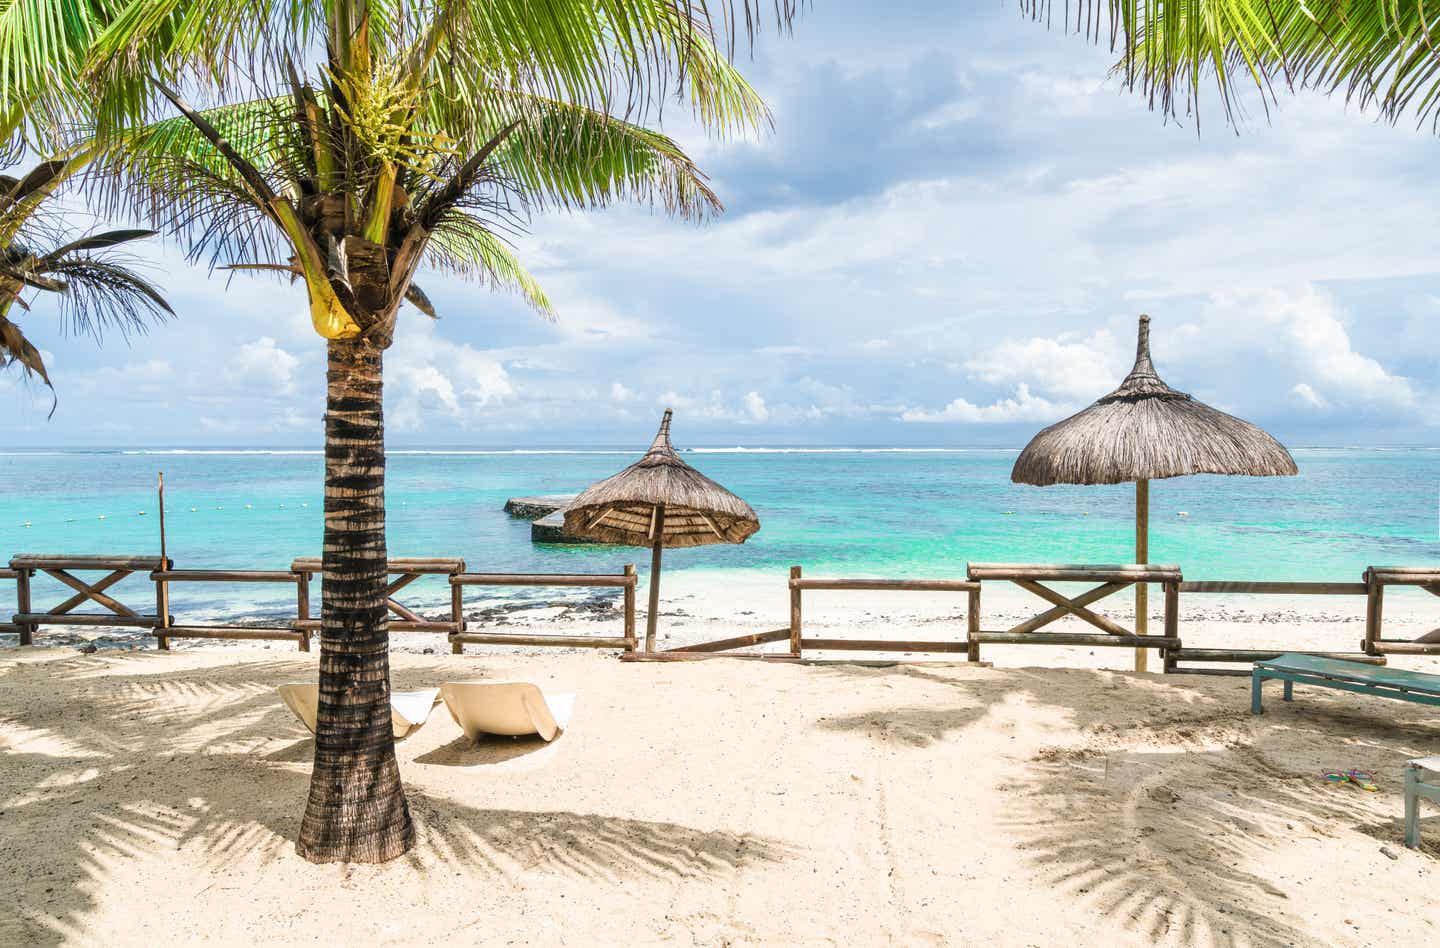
{"points": [[175, 762], [1170, 818]]}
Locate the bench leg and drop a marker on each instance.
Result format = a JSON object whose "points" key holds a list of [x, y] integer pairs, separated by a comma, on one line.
{"points": [[1256, 680], [1412, 806], [1289, 691]]}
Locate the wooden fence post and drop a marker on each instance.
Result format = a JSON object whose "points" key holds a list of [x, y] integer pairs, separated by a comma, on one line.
{"points": [[630, 608], [1172, 623], [457, 614], [162, 608], [794, 612], [302, 609], [22, 604], [1374, 611], [972, 624]]}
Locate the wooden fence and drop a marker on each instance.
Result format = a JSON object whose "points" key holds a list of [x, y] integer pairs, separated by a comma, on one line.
{"points": [[1110, 579], [1174, 657], [63, 569], [107, 571], [297, 628], [1376, 579], [798, 642], [625, 581], [10, 628]]}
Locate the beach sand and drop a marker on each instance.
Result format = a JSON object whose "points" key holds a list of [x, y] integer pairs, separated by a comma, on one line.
{"points": [[155, 798]]}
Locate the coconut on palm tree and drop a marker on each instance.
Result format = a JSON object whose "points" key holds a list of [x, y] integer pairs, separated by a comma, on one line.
{"points": [[347, 143]]}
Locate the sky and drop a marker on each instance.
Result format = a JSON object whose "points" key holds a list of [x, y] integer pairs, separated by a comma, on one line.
{"points": [[945, 241]]}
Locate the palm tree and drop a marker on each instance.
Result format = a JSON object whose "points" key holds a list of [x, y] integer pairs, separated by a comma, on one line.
{"points": [[1381, 54], [96, 289], [424, 132], [42, 47]]}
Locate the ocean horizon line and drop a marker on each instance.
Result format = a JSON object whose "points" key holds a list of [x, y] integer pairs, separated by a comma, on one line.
{"points": [[604, 450]]}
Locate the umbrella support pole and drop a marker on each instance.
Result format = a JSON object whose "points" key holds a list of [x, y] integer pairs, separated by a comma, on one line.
{"points": [[653, 615], [1142, 557]]}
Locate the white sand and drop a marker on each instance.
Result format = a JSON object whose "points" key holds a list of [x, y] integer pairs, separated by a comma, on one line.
{"points": [[154, 798]]}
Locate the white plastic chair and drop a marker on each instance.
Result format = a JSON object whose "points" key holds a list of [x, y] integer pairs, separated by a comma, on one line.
{"points": [[408, 709], [509, 708]]}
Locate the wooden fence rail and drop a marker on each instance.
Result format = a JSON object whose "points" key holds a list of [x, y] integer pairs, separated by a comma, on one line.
{"points": [[63, 569], [164, 626], [625, 581], [799, 584], [1376, 579], [1111, 578], [1174, 657], [27, 619], [169, 628], [406, 571]]}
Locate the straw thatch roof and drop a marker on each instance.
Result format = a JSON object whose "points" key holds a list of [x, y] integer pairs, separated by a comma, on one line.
{"points": [[1145, 430], [623, 508]]}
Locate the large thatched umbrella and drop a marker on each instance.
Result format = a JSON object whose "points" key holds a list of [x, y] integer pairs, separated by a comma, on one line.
{"points": [[1143, 431], [660, 501]]}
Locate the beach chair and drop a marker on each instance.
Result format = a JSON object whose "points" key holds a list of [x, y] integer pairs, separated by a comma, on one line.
{"points": [[408, 709], [1291, 668], [1417, 789], [508, 708]]}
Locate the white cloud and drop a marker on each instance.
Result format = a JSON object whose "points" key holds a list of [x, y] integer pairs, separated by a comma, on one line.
{"points": [[619, 393], [425, 386], [1313, 325], [1079, 369], [1023, 407], [1309, 396], [263, 368], [755, 407], [427, 375], [1301, 338]]}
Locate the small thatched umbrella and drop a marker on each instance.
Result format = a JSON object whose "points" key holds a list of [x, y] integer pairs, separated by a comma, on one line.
{"points": [[660, 501], [1143, 431]]}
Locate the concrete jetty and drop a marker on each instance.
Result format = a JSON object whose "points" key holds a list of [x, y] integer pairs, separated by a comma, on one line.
{"points": [[546, 513], [541, 505]]}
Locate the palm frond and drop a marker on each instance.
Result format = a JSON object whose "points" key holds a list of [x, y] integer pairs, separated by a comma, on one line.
{"points": [[469, 248], [43, 47], [105, 295], [569, 156], [628, 55], [171, 176], [1380, 53], [15, 349], [102, 241]]}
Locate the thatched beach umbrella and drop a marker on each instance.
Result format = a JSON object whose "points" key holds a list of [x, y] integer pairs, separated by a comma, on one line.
{"points": [[660, 501], [1143, 431]]}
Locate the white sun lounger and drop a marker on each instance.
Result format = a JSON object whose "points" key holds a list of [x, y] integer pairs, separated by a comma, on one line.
{"points": [[509, 708], [408, 709]]}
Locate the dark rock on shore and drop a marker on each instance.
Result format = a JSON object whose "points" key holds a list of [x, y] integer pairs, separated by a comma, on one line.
{"points": [[551, 529]]}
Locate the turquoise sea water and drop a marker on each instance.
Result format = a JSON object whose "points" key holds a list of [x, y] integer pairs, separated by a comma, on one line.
{"points": [[836, 512]]}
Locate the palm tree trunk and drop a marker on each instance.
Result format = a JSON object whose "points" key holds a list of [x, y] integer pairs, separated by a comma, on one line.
{"points": [[356, 811]]}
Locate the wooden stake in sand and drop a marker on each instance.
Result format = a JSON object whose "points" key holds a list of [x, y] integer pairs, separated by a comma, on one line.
{"points": [[162, 586]]}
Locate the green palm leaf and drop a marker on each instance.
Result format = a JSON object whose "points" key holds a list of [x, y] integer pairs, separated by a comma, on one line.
{"points": [[1381, 53]]}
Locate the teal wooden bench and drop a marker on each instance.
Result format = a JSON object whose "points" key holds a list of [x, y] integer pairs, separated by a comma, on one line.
{"points": [[1394, 683], [1417, 789]]}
